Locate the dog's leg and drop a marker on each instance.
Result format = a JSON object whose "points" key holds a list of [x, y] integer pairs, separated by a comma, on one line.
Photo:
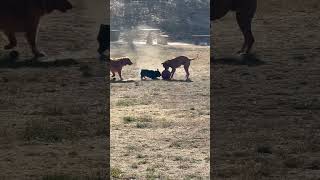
{"points": [[12, 40], [31, 36], [119, 72], [113, 74], [186, 68], [244, 23], [250, 38], [172, 73], [242, 28]]}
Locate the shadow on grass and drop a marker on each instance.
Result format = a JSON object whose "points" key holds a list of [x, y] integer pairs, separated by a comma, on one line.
{"points": [[66, 177], [171, 80], [246, 60], [36, 63], [179, 80], [121, 81], [148, 81]]}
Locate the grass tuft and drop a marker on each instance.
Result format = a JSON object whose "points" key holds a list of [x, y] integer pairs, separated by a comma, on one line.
{"points": [[116, 173]]}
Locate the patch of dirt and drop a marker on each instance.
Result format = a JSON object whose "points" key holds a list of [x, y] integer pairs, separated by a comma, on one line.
{"points": [[265, 116]]}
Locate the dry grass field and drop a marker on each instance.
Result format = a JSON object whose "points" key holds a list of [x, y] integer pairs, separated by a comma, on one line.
{"points": [[266, 112], [160, 129], [52, 113]]}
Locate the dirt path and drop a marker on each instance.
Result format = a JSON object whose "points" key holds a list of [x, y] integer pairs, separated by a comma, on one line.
{"points": [[266, 115], [160, 129]]}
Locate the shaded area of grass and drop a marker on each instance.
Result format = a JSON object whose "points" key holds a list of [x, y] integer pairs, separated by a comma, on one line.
{"points": [[12, 63], [59, 129], [68, 177], [47, 132]]}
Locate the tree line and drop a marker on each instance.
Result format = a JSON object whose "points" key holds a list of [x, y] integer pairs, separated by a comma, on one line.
{"points": [[178, 18]]}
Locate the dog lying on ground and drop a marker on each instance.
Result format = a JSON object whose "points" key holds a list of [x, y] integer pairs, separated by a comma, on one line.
{"points": [[177, 62], [116, 65], [150, 74], [24, 16]]}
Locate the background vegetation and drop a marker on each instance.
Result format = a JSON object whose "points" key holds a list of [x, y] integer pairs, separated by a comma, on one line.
{"points": [[178, 18]]}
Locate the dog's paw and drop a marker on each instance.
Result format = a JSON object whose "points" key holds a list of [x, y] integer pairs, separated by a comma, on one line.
{"points": [[242, 53], [239, 52], [39, 55]]}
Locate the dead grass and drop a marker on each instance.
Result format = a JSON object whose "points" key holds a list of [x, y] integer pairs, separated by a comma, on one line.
{"points": [[267, 112], [46, 132], [116, 172], [65, 177], [52, 111], [153, 121]]}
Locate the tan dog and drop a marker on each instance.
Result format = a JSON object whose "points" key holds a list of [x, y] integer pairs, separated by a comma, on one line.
{"points": [[24, 16], [245, 11], [177, 62], [116, 65]]}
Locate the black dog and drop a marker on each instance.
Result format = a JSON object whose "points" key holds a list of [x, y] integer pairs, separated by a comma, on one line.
{"points": [[150, 74], [104, 40]]}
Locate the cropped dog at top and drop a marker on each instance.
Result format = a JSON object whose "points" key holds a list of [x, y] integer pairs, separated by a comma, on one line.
{"points": [[24, 16], [245, 11]]}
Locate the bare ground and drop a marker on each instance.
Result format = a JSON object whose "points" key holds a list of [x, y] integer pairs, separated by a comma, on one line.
{"points": [[160, 129], [266, 113], [52, 115]]}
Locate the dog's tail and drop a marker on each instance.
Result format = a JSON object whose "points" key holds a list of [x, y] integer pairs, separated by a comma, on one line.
{"points": [[195, 57]]}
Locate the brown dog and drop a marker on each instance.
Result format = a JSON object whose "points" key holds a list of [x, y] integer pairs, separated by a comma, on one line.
{"points": [[24, 16], [177, 62], [116, 65], [245, 11]]}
